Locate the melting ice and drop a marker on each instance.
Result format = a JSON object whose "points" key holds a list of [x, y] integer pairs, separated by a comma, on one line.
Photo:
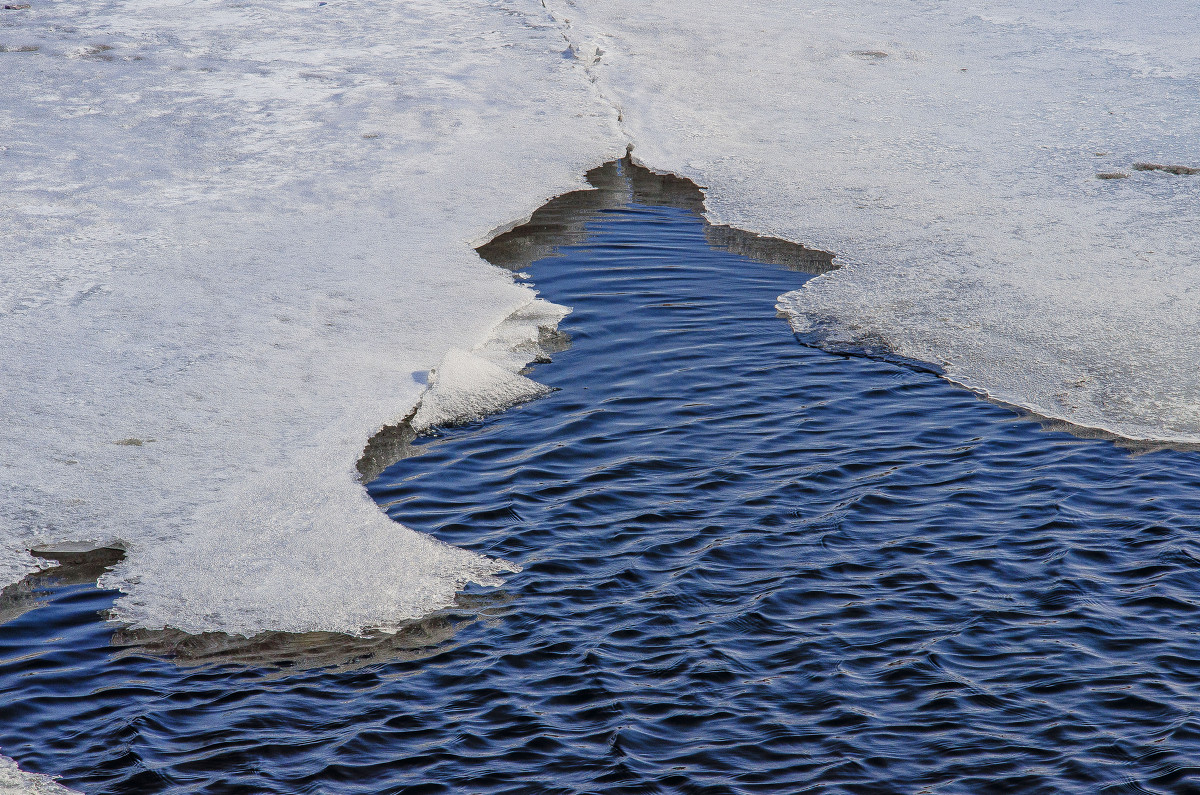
{"points": [[236, 235], [15, 781], [232, 235], [949, 153]]}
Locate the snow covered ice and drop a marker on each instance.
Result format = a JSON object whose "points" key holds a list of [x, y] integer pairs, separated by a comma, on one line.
{"points": [[15, 781], [231, 239], [237, 234], [948, 153]]}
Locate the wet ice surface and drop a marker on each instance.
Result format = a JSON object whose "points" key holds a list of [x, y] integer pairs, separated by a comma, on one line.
{"points": [[749, 566]]}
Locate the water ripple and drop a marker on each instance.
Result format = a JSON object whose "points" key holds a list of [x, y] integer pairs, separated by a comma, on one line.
{"points": [[749, 566]]}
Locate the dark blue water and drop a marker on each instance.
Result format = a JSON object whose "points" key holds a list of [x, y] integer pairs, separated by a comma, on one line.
{"points": [[749, 566]]}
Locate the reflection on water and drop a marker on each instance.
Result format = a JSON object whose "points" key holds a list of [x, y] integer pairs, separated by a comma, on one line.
{"points": [[568, 220], [82, 565], [77, 564], [416, 640]]}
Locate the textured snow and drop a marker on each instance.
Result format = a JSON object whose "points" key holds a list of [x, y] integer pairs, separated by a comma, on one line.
{"points": [[948, 153], [236, 242], [235, 237], [14, 781]]}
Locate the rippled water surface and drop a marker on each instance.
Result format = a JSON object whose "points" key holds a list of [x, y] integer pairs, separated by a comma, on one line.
{"points": [[749, 566]]}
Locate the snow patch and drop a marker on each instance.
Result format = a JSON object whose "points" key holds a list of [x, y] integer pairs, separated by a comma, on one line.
{"points": [[14, 781], [949, 153]]}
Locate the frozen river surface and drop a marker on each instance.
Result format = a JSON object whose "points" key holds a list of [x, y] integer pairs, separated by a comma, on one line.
{"points": [[235, 234]]}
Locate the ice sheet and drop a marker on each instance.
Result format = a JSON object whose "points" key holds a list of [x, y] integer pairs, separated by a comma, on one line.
{"points": [[236, 241], [948, 153], [236, 235], [14, 781]]}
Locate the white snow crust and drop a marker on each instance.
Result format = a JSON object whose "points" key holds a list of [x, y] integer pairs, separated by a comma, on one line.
{"points": [[471, 385], [14, 781], [233, 243], [236, 240], [948, 153]]}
